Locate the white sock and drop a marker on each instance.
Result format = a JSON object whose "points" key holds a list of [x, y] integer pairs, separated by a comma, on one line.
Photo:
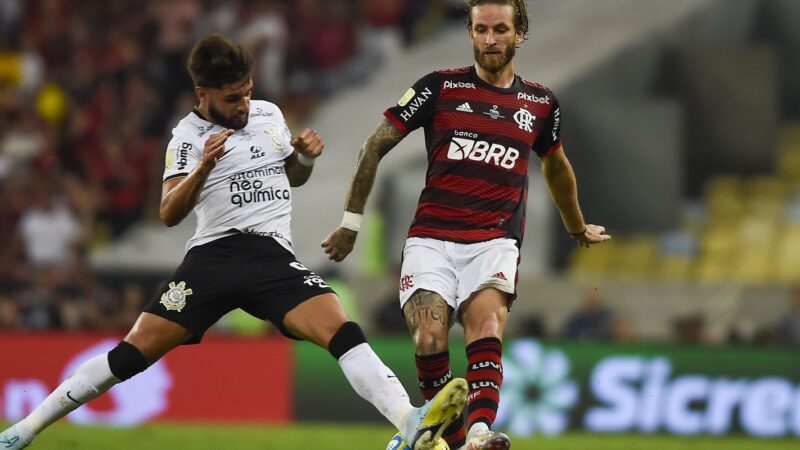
{"points": [[90, 379], [376, 383]]}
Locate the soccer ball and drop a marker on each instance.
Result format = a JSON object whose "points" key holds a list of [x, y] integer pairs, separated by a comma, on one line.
{"points": [[398, 443]]}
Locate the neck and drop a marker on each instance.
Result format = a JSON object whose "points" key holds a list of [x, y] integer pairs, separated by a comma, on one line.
{"points": [[203, 110], [502, 79]]}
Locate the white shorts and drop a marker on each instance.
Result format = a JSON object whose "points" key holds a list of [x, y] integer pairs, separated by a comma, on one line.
{"points": [[455, 271]]}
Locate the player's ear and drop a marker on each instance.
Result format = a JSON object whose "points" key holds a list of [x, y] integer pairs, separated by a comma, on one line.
{"points": [[201, 93], [518, 38]]}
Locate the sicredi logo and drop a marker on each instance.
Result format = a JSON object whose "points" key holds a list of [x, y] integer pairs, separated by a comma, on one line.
{"points": [[457, 85], [533, 98], [640, 393], [499, 155]]}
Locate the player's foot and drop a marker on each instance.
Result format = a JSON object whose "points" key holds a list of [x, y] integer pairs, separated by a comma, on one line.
{"points": [[425, 425], [488, 440], [14, 439], [398, 443]]}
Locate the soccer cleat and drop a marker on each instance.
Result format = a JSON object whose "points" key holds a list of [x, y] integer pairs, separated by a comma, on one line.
{"points": [[398, 443], [12, 439], [490, 440], [425, 425]]}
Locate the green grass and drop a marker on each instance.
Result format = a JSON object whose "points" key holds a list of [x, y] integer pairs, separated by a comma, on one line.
{"points": [[348, 437]]}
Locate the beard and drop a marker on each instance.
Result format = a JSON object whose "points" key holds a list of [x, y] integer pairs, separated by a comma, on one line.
{"points": [[494, 65], [227, 122]]}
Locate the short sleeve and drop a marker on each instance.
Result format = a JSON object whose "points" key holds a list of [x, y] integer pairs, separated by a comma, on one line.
{"points": [[549, 138], [287, 137], [417, 105], [183, 155]]}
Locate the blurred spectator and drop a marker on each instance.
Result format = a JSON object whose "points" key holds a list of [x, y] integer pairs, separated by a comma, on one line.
{"points": [[787, 330], [50, 232], [533, 325], [690, 329], [595, 321], [265, 36]]}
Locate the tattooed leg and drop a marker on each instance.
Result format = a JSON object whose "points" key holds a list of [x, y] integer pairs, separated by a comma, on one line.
{"points": [[428, 319]]}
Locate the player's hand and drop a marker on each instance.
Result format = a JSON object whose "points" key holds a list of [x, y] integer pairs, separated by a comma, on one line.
{"points": [[339, 243], [308, 143], [215, 148], [594, 234]]}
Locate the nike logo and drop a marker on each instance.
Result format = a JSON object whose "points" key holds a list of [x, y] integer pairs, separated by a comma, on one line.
{"points": [[391, 376], [71, 398], [226, 152]]}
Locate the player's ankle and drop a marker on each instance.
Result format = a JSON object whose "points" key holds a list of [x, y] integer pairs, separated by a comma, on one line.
{"points": [[24, 431]]}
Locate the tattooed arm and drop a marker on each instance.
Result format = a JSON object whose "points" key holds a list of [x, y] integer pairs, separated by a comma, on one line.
{"points": [[340, 241]]}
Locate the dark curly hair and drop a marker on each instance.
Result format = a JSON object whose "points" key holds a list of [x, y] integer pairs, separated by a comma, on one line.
{"points": [[520, 13], [216, 61]]}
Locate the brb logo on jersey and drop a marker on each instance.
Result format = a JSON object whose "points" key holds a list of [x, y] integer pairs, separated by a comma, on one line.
{"points": [[468, 147]]}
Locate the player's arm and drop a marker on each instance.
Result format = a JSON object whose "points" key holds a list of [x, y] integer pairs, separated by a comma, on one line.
{"points": [[179, 195], [563, 187], [340, 242], [308, 145]]}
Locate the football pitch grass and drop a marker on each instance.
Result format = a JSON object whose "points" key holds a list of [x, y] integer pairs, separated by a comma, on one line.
{"points": [[349, 437]]}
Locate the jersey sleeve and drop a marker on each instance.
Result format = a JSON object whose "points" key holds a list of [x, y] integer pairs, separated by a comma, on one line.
{"points": [[417, 105], [286, 134], [549, 139], [183, 155]]}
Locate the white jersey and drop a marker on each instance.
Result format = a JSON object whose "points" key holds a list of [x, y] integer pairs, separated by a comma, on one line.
{"points": [[248, 191]]}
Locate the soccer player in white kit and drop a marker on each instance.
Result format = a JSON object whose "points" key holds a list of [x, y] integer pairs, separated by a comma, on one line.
{"points": [[233, 161]]}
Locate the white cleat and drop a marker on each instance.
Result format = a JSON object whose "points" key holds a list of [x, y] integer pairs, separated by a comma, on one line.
{"points": [[489, 440]]}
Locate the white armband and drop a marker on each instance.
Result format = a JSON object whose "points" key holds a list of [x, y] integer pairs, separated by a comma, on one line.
{"points": [[352, 221]]}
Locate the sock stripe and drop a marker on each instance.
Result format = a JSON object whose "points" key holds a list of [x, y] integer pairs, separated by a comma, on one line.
{"points": [[485, 378]]}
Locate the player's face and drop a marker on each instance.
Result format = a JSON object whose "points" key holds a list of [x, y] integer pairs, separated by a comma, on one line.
{"points": [[494, 39], [229, 106]]}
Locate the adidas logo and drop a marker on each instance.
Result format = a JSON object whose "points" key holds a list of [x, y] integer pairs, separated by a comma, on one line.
{"points": [[464, 108], [500, 276]]}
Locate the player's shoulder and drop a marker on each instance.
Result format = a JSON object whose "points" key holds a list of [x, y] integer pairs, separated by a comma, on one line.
{"points": [[264, 105], [191, 127], [454, 71], [534, 86]]}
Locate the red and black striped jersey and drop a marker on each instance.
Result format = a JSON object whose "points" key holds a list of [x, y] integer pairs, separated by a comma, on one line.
{"points": [[478, 139]]}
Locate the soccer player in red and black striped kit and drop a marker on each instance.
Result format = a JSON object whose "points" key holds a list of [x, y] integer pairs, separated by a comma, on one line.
{"points": [[460, 260]]}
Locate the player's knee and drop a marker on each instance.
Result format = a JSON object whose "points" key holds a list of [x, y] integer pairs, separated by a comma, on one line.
{"points": [[125, 361], [348, 336], [430, 340], [488, 328]]}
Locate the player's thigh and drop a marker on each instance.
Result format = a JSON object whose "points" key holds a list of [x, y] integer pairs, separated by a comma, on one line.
{"points": [[426, 266], [203, 288], [317, 319], [154, 336], [279, 284], [491, 264]]}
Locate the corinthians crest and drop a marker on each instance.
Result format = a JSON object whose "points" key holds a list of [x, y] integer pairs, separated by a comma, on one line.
{"points": [[175, 298]]}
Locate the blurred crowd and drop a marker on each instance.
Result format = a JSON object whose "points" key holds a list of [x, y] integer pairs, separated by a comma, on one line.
{"points": [[89, 91]]}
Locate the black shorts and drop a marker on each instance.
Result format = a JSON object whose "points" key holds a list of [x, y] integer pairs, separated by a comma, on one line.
{"points": [[244, 271]]}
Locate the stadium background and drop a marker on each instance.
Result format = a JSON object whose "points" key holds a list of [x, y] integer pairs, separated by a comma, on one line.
{"points": [[681, 118]]}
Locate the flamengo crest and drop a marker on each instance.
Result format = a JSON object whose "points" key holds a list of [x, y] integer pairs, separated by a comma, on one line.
{"points": [[524, 119]]}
